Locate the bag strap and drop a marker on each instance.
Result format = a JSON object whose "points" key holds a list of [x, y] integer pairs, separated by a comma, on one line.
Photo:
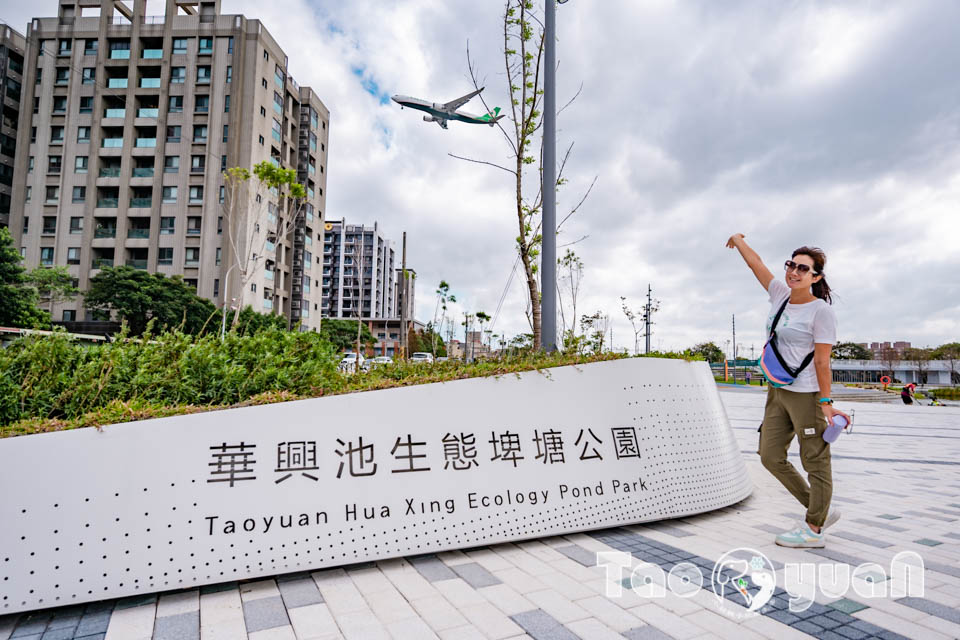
{"points": [[776, 318]]}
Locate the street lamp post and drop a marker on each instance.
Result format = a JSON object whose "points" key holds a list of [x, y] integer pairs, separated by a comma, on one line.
{"points": [[548, 288]]}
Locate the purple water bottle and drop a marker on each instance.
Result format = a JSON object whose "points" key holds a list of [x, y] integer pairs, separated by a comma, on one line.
{"points": [[837, 424]]}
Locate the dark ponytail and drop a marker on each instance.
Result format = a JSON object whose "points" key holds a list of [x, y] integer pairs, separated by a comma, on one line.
{"points": [[820, 288]]}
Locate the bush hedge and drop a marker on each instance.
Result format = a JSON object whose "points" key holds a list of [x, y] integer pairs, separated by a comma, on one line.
{"points": [[49, 383]]}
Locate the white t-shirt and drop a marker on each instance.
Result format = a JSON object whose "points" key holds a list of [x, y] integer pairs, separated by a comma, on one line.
{"points": [[800, 326]]}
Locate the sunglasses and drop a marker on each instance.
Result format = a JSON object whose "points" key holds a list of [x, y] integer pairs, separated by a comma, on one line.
{"points": [[802, 269]]}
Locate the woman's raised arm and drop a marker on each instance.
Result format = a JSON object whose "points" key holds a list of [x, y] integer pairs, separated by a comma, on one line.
{"points": [[764, 276]]}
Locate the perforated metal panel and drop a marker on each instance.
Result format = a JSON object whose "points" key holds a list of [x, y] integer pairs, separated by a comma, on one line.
{"points": [[177, 502]]}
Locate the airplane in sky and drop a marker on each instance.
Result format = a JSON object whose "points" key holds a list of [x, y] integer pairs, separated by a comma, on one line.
{"points": [[441, 113]]}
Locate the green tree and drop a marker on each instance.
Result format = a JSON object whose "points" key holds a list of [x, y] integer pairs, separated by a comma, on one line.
{"points": [[523, 51], [428, 341], [710, 352], [18, 300], [137, 297], [851, 351], [251, 322], [949, 353], [53, 284], [342, 334]]}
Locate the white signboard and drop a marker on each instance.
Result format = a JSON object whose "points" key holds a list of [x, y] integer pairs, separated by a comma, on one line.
{"points": [[213, 497]]}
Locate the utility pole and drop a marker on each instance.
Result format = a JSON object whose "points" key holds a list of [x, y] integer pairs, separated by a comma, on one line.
{"points": [[360, 305], [548, 288], [403, 300], [647, 313]]}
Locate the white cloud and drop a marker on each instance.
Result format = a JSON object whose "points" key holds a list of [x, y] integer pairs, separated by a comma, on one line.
{"points": [[811, 123]]}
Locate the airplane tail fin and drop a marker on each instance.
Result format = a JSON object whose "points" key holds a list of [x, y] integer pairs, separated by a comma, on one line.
{"points": [[494, 116]]}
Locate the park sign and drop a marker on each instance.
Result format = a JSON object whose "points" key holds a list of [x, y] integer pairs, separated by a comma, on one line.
{"points": [[177, 502]]}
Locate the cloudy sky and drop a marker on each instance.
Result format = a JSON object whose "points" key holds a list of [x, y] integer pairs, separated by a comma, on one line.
{"points": [[820, 123]]}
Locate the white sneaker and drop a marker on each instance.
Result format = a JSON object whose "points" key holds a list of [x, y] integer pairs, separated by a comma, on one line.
{"points": [[802, 537], [832, 517]]}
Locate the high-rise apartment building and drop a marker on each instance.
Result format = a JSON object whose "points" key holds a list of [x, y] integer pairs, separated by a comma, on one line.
{"points": [[134, 118], [346, 292], [11, 89]]}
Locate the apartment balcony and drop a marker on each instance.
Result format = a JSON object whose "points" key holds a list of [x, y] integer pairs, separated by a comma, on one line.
{"points": [[138, 233], [137, 264], [142, 172], [120, 54], [141, 203], [114, 113], [152, 54], [105, 232], [268, 275], [112, 143], [269, 246], [109, 172], [117, 83], [267, 303], [100, 263], [191, 263], [149, 83], [144, 143], [107, 203], [148, 113]]}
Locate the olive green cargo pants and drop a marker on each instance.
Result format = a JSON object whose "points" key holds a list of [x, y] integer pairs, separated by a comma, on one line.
{"points": [[788, 414]]}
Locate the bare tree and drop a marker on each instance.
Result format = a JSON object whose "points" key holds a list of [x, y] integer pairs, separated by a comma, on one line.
{"points": [[637, 329], [523, 49], [571, 275], [890, 358], [921, 358], [252, 219]]}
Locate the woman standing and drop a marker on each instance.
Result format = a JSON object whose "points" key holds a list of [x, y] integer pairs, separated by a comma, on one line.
{"points": [[907, 394], [803, 329]]}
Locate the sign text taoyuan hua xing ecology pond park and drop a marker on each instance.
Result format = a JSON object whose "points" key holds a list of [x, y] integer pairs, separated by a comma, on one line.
{"points": [[236, 494]]}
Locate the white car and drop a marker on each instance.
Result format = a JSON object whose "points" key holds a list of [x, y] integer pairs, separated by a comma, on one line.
{"points": [[421, 356], [349, 362], [379, 360]]}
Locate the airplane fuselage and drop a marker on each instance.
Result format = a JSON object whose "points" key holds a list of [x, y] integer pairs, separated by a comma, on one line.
{"points": [[437, 110]]}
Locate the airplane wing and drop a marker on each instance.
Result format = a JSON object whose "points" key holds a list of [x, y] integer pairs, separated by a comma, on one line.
{"points": [[453, 105]]}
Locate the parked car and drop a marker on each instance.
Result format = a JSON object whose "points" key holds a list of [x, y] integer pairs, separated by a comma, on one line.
{"points": [[349, 362], [382, 360], [421, 356]]}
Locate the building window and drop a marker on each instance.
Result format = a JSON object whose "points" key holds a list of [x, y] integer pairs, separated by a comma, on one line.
{"points": [[80, 164], [196, 194], [30, 165], [229, 74], [26, 197], [216, 285], [33, 135], [49, 225], [277, 131], [36, 105], [193, 226], [261, 139], [263, 82], [46, 256], [167, 225], [222, 193], [201, 104], [65, 47], [169, 195], [69, 315], [199, 133], [63, 76], [266, 56], [79, 194], [59, 104], [90, 47], [53, 195], [171, 164], [73, 255], [76, 225], [277, 102], [230, 44], [165, 255], [193, 256], [226, 130], [175, 104], [226, 104], [89, 75], [178, 75], [56, 135], [203, 74], [179, 45], [83, 134], [253, 287], [26, 223], [219, 255], [263, 112], [86, 104], [173, 133], [54, 164], [206, 45], [219, 225], [223, 163], [197, 164]]}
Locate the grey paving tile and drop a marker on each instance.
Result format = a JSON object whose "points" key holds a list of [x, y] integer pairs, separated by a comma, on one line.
{"points": [[183, 626], [61, 622], [137, 601], [783, 616], [96, 607], [542, 626], [851, 632], [475, 575], [845, 499], [931, 607], [32, 636], [299, 593], [824, 621], [848, 606], [63, 633], [676, 532], [290, 577], [769, 528], [264, 613], [92, 623], [890, 635], [952, 512], [942, 568], [955, 536], [96, 636], [216, 588], [880, 525], [868, 627], [921, 514], [873, 542], [432, 568], [887, 516], [807, 627], [31, 624], [928, 542], [579, 554], [648, 632], [839, 556]]}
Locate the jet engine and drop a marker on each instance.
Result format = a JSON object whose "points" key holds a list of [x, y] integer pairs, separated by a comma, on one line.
{"points": [[430, 119]]}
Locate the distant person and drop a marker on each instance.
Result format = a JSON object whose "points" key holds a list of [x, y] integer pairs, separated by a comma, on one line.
{"points": [[802, 330], [748, 378], [907, 394]]}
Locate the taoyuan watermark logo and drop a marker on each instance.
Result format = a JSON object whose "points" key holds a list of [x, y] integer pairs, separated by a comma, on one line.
{"points": [[746, 578]]}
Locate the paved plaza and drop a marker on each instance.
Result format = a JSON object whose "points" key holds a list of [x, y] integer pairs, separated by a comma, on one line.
{"points": [[896, 480]]}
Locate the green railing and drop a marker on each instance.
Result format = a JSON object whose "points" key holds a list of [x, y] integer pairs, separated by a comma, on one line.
{"points": [[141, 203], [146, 142], [152, 54], [148, 113], [120, 54], [143, 172], [99, 263], [114, 113], [107, 203], [117, 83], [138, 233], [137, 264], [109, 172], [149, 83], [105, 232], [113, 143]]}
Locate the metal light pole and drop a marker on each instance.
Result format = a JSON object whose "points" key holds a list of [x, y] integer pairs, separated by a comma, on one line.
{"points": [[548, 285]]}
